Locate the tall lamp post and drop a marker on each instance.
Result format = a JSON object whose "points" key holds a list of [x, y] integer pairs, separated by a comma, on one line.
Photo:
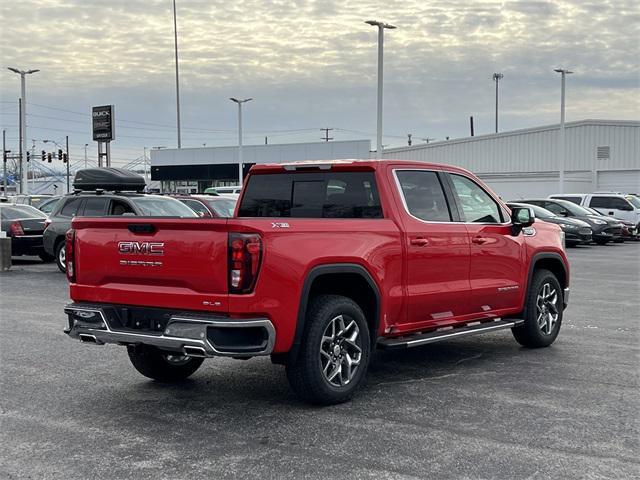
{"points": [[240, 102], [561, 137], [175, 42], [381, 26], [496, 78], [24, 186]]}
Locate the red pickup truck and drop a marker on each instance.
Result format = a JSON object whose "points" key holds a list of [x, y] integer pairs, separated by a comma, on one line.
{"points": [[322, 263]]}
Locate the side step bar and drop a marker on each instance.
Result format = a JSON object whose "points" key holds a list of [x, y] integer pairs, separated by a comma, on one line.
{"points": [[418, 339]]}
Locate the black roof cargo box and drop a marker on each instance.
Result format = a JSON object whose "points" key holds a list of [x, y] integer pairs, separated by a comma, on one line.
{"points": [[108, 178]]}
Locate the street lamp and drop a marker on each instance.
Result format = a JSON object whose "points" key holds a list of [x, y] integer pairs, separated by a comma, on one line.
{"points": [[381, 26], [23, 125], [496, 78], [175, 42], [240, 102], [561, 138], [85, 154]]}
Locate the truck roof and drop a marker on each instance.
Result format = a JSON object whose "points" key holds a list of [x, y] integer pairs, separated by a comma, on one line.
{"points": [[347, 164]]}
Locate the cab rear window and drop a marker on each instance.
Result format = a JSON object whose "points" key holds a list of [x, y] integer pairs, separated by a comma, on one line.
{"points": [[312, 195]]}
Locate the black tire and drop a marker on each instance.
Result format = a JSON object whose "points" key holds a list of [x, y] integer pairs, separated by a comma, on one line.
{"points": [[156, 364], [306, 373], [59, 258], [531, 334], [46, 258]]}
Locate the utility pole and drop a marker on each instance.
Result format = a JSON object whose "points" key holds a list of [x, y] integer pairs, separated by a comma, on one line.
{"points": [[240, 169], [326, 131], [68, 162], [381, 26], [266, 141], [561, 137], [4, 161], [21, 168], [409, 139], [471, 125], [85, 154], [24, 187], [175, 40], [497, 77]]}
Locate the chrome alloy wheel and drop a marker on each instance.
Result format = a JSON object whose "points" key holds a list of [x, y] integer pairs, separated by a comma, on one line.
{"points": [[176, 359], [547, 308], [340, 351], [62, 257]]}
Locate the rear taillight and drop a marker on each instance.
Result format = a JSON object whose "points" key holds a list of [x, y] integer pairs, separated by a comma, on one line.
{"points": [[245, 255], [16, 229], [69, 250]]}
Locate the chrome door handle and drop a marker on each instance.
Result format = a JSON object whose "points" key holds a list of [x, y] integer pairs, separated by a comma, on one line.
{"points": [[419, 242]]}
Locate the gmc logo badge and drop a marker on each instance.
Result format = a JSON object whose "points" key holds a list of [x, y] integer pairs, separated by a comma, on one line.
{"points": [[141, 248]]}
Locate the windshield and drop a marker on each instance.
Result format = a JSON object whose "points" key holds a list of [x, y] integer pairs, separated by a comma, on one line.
{"points": [[14, 212], [635, 201], [593, 211], [573, 208], [162, 207], [224, 207]]}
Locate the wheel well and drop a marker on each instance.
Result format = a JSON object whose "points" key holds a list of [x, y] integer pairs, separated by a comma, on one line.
{"points": [[354, 286], [554, 266]]}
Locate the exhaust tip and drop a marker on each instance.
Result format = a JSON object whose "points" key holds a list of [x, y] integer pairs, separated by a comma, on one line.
{"points": [[195, 351], [86, 338]]}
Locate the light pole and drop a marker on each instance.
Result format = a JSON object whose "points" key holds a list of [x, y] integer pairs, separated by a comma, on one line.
{"points": [[496, 78], [175, 42], [85, 154], [381, 26], [561, 137], [24, 186], [240, 102]]}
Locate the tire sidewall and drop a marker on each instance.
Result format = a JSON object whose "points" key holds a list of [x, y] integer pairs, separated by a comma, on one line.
{"points": [[541, 278], [59, 248]]}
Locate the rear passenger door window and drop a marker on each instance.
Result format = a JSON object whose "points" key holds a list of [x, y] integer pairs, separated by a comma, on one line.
{"points": [[423, 195], [70, 209], [474, 204], [95, 207]]}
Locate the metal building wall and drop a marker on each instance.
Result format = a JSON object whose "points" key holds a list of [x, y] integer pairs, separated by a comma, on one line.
{"points": [[524, 162]]}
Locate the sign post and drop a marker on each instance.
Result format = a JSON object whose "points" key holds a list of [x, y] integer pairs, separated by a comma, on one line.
{"points": [[103, 131]]}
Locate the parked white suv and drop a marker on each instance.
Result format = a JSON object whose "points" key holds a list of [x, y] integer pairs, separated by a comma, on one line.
{"points": [[611, 204]]}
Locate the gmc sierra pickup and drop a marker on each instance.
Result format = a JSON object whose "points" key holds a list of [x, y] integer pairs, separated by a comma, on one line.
{"points": [[322, 263]]}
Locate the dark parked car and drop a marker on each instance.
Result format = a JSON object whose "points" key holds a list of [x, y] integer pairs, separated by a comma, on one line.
{"points": [[209, 206], [604, 229], [629, 230], [24, 224], [102, 204], [575, 231]]}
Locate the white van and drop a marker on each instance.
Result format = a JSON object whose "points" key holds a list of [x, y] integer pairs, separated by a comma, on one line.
{"points": [[617, 205]]}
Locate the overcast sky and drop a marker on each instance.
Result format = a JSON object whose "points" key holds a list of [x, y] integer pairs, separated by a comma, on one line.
{"points": [[312, 64]]}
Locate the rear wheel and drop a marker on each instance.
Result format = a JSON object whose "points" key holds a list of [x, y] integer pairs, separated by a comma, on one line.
{"points": [[61, 256], [543, 312], [335, 351], [161, 365]]}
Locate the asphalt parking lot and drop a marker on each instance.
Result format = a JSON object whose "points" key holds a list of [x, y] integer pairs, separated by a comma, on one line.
{"points": [[480, 407]]}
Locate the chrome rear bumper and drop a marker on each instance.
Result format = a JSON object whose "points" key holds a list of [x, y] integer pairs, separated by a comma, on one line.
{"points": [[193, 335]]}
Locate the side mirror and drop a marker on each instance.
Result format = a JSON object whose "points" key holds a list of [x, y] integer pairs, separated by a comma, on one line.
{"points": [[521, 217]]}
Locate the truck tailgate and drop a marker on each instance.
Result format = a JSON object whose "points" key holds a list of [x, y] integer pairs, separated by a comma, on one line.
{"points": [[160, 262]]}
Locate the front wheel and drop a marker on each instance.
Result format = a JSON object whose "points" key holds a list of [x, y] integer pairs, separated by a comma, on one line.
{"points": [[160, 365], [543, 312], [334, 354]]}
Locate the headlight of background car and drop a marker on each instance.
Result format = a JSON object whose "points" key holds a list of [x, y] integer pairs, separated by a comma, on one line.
{"points": [[568, 226], [599, 222], [562, 239]]}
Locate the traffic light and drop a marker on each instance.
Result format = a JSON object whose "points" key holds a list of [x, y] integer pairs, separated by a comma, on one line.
{"points": [[59, 154], [65, 158], [44, 155], [49, 157], [28, 156]]}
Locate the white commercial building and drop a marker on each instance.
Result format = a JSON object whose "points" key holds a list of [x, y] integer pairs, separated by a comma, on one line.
{"points": [[600, 155], [191, 170]]}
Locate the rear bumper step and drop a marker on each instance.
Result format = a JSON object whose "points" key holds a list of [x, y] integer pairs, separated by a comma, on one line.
{"points": [[416, 340], [196, 335]]}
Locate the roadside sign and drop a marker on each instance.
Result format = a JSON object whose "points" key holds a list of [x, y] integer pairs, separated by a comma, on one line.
{"points": [[103, 124]]}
